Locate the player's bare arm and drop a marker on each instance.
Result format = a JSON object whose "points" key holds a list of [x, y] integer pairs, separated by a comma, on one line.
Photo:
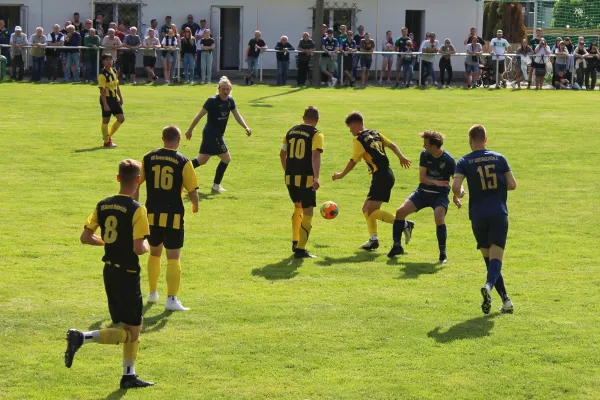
{"points": [[458, 189], [316, 164], [511, 183], [197, 119], [340, 175], [140, 246], [103, 99], [193, 196], [283, 157], [240, 120], [89, 237], [404, 162], [119, 95]]}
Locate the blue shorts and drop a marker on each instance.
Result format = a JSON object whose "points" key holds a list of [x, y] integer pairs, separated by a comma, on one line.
{"points": [[366, 64], [213, 145], [471, 68], [422, 199], [490, 231], [168, 56], [253, 64]]}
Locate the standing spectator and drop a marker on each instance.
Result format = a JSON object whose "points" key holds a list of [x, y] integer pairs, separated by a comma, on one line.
{"points": [[592, 65], [99, 27], [178, 57], [468, 40], [121, 33], [87, 25], [580, 53], [445, 62], [255, 47], [560, 61], [408, 61], [415, 45], [525, 52], [341, 38], [430, 48], [283, 59], [535, 41], [4, 39], [150, 45], [553, 60], [474, 51], [76, 23], [63, 53], [55, 39], [199, 35], [356, 58], [91, 41], [17, 41], [541, 58], [111, 43], [388, 59], [164, 30], [207, 45], [367, 45], [305, 49], [348, 48], [73, 39], [154, 27], [38, 43], [169, 42], [330, 47], [569, 45], [129, 53], [190, 24], [188, 49], [400, 46], [498, 47]]}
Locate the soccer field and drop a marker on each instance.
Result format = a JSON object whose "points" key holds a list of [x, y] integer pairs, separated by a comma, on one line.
{"points": [[347, 325]]}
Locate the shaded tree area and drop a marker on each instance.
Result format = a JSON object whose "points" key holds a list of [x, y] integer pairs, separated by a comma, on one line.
{"points": [[504, 15], [582, 14]]}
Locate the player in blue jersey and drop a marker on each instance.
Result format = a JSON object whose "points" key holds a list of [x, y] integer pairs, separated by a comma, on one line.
{"points": [[436, 167], [217, 108], [489, 178]]}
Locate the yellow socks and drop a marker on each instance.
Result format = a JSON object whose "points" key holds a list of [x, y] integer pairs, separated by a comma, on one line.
{"points": [[296, 223], [173, 277], [153, 272], [130, 352], [371, 224], [113, 336], [114, 128], [105, 135], [383, 216], [305, 228]]}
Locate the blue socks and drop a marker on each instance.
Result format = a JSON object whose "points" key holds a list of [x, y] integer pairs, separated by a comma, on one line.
{"points": [[500, 288], [494, 272], [221, 168], [195, 163], [442, 234], [397, 230]]}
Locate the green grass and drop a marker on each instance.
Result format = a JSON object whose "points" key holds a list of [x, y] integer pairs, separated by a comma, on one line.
{"points": [[347, 325]]}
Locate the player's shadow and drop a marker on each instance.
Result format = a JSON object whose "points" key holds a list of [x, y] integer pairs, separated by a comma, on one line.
{"points": [[117, 394], [88, 150], [358, 257], [151, 324], [259, 102], [474, 328], [415, 270], [284, 269]]}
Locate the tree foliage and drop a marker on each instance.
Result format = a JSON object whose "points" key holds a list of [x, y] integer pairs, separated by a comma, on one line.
{"points": [[582, 14], [505, 15]]}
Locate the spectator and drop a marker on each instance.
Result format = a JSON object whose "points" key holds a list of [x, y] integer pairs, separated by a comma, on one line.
{"points": [[188, 49], [17, 41], [525, 52], [468, 40], [120, 32], [64, 31], [400, 46], [571, 61], [408, 61], [330, 47], [367, 45], [154, 27], [91, 41], [131, 44], [87, 25], [324, 28], [445, 62], [55, 39], [356, 58], [199, 35], [553, 59], [73, 39], [560, 62], [150, 44], [569, 45], [38, 43], [535, 41], [560, 82], [305, 49], [76, 23], [255, 47], [164, 30], [430, 48], [580, 53], [498, 47], [169, 42], [99, 27], [474, 51], [592, 65], [4, 39], [207, 45], [342, 36], [541, 58], [348, 48], [283, 59], [415, 46], [388, 59], [190, 24], [111, 43]]}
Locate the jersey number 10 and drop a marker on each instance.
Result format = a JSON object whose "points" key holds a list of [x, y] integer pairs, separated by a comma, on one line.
{"points": [[297, 148], [163, 177], [489, 180]]}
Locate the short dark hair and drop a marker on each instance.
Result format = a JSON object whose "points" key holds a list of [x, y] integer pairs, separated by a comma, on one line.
{"points": [[106, 57], [169, 17], [76, 13], [171, 133], [477, 133], [354, 116], [311, 113], [434, 138], [152, 21], [129, 170]]}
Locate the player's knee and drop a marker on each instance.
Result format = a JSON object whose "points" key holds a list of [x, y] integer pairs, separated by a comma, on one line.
{"points": [[121, 119]]}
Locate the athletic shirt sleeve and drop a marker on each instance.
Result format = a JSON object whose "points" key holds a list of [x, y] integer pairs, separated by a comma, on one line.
{"points": [[208, 104], [317, 141], [460, 167], [141, 229], [423, 160], [92, 221], [386, 142], [190, 181], [357, 151], [232, 104]]}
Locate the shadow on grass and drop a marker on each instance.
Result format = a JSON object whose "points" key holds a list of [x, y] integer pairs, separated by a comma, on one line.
{"points": [[284, 269], [471, 329], [88, 150], [259, 101], [414, 270], [359, 256], [151, 324], [117, 394]]}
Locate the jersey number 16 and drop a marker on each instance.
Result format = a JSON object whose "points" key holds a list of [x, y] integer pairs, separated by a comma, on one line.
{"points": [[163, 177]]}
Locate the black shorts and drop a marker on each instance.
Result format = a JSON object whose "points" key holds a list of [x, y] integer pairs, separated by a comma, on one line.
{"points": [[422, 199], [149, 61], [535, 65], [381, 186], [541, 71], [306, 196], [213, 146], [490, 231], [347, 63], [501, 67], [171, 238], [124, 294], [113, 104]]}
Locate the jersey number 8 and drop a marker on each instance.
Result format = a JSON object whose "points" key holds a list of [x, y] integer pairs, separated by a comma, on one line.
{"points": [[110, 230], [163, 177], [489, 180], [297, 148]]}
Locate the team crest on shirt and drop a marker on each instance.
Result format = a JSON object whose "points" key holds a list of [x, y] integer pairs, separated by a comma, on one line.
{"points": [[442, 165], [224, 113]]}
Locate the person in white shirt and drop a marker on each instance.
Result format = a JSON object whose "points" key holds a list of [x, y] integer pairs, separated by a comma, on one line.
{"points": [[169, 42], [199, 35], [429, 48], [541, 52], [498, 47]]}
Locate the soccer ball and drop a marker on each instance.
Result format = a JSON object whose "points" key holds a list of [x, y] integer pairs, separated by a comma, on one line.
{"points": [[329, 210]]}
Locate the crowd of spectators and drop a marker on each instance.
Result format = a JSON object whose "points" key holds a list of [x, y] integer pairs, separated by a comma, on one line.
{"points": [[340, 53]]}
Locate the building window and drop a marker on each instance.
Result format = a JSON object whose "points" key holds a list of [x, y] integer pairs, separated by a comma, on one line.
{"points": [[334, 16], [128, 14]]}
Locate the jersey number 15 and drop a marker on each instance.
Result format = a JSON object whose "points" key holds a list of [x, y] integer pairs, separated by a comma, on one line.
{"points": [[489, 180]]}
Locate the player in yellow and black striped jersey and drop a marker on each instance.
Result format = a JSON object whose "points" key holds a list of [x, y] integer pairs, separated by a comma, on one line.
{"points": [[301, 159], [111, 100], [369, 145], [167, 172], [124, 226]]}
